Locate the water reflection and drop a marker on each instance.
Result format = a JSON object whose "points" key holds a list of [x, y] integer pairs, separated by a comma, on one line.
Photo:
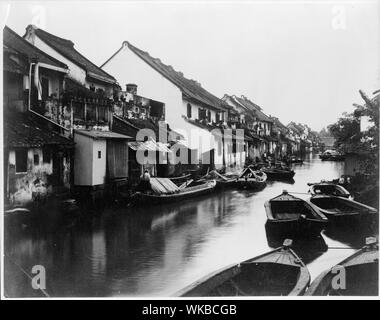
{"points": [[158, 250]]}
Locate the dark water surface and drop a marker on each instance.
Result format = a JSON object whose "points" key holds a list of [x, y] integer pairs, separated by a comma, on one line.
{"points": [[158, 250]]}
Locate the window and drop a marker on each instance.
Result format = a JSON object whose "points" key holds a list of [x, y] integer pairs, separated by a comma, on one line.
{"points": [[99, 154], [217, 117], [189, 110], [21, 160], [209, 116], [36, 159]]}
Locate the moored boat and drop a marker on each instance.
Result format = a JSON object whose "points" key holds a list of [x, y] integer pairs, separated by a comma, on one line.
{"points": [[291, 216], [178, 195], [252, 179], [276, 171], [222, 180], [357, 275], [328, 188], [277, 273], [341, 210]]}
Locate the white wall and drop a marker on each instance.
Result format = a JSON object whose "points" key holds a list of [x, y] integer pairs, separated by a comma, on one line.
{"points": [[83, 160], [99, 165], [127, 67]]}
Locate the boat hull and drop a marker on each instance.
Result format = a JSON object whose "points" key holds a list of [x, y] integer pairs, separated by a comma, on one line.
{"points": [[300, 228], [148, 199], [360, 272], [277, 273], [273, 175], [251, 184]]}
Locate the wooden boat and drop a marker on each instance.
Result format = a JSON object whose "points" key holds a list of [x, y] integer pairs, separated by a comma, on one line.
{"points": [[294, 159], [252, 179], [340, 210], [328, 188], [182, 194], [278, 171], [222, 180], [292, 216], [277, 273], [361, 275], [331, 155]]}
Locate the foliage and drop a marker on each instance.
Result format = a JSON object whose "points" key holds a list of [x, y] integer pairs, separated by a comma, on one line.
{"points": [[347, 132]]}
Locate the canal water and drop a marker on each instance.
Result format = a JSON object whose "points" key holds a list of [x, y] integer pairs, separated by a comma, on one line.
{"points": [[158, 250]]}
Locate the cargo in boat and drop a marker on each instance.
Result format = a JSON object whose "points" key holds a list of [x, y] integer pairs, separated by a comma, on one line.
{"points": [[252, 179], [329, 188], [175, 194]]}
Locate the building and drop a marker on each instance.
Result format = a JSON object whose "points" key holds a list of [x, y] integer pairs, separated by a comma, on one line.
{"points": [[86, 106], [38, 159], [190, 109], [81, 70]]}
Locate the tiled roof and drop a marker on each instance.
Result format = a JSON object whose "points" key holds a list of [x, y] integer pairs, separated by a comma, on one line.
{"points": [[190, 88], [20, 130], [66, 48], [255, 108], [12, 41]]}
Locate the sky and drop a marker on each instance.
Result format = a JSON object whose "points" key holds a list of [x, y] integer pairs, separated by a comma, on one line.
{"points": [[300, 61]]}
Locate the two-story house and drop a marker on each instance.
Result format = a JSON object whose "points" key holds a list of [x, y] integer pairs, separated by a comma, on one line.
{"points": [[190, 109], [38, 159], [86, 104]]}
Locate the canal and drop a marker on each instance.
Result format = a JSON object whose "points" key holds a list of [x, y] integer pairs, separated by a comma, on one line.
{"points": [[156, 251]]}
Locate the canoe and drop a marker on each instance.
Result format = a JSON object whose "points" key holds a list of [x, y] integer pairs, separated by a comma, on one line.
{"points": [[292, 216], [277, 273], [342, 210], [358, 275], [328, 188], [279, 174], [182, 194], [252, 179]]}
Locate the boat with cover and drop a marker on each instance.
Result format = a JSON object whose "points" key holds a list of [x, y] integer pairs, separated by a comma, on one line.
{"points": [[252, 179]]}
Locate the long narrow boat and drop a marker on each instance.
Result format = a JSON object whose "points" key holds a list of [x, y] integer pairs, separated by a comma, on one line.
{"points": [[252, 179], [182, 194], [276, 172], [358, 275], [277, 273], [342, 210], [328, 188], [291, 216]]}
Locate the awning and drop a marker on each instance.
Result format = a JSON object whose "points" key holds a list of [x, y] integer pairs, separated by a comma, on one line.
{"points": [[97, 134], [149, 145]]}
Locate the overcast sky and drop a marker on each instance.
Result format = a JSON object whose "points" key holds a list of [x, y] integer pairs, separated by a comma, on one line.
{"points": [[300, 61]]}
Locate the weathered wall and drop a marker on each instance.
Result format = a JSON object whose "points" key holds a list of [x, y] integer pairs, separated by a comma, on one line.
{"points": [[25, 187]]}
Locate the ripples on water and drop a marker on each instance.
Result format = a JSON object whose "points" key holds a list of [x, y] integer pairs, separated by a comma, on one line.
{"points": [[158, 250]]}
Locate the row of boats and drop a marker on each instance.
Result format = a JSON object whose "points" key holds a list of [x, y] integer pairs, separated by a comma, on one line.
{"points": [[281, 272], [253, 177]]}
